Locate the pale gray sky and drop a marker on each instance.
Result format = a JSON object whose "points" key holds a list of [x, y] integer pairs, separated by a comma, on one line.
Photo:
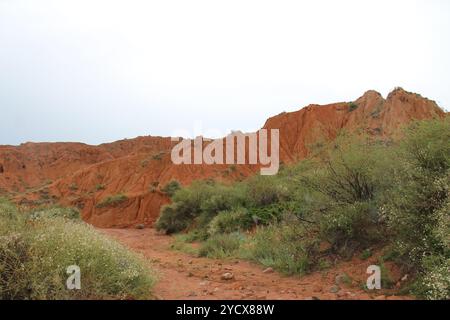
{"points": [[102, 70]]}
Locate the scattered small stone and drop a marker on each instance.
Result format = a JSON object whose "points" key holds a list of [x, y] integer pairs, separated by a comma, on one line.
{"points": [[335, 289], [192, 294], [312, 299], [140, 226], [203, 283], [216, 289], [405, 278], [268, 270], [190, 262], [317, 289], [227, 276], [190, 274]]}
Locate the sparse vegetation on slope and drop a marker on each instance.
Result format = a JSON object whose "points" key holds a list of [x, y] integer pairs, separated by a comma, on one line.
{"points": [[171, 187], [351, 196], [112, 200]]}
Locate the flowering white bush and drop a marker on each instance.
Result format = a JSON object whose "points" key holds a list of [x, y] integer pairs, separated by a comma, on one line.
{"points": [[437, 282], [37, 248]]}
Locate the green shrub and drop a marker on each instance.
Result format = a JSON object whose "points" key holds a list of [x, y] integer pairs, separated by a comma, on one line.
{"points": [[435, 284], [14, 259], [183, 243], [284, 246], [158, 156], [221, 198], [349, 227], [347, 185], [34, 256], [352, 106], [418, 210], [11, 220], [172, 219], [366, 254], [197, 205], [229, 221], [222, 246], [272, 213], [171, 187], [112, 200], [55, 212], [100, 187], [264, 191]]}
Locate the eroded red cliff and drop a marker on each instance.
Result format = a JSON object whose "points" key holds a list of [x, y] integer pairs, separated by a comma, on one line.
{"points": [[84, 176]]}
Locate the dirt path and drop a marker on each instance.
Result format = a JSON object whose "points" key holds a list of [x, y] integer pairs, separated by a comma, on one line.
{"points": [[182, 276]]}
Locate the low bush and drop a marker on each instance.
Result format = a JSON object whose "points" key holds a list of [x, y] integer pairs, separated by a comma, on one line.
{"points": [[36, 248], [284, 246], [418, 210], [100, 187], [352, 106], [352, 227], [222, 246], [238, 219], [171, 187], [435, 283], [54, 212], [197, 205], [172, 219], [263, 191], [112, 200]]}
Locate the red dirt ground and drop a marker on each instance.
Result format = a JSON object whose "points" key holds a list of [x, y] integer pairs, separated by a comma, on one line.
{"points": [[182, 276]]}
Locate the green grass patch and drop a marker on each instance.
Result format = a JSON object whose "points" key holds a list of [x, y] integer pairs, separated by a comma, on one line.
{"points": [[112, 200], [222, 246]]}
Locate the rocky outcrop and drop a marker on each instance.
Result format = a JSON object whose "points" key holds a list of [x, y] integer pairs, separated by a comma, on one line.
{"points": [[85, 176]]}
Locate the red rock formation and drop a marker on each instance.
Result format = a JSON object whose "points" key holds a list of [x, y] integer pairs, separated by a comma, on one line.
{"points": [[84, 176]]}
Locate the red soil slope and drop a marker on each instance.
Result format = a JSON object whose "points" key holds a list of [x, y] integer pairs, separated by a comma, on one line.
{"points": [[84, 176]]}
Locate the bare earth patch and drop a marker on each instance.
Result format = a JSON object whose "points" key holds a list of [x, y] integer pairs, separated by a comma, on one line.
{"points": [[185, 277]]}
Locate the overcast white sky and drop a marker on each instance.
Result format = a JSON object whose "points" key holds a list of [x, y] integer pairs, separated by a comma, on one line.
{"points": [[102, 70]]}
